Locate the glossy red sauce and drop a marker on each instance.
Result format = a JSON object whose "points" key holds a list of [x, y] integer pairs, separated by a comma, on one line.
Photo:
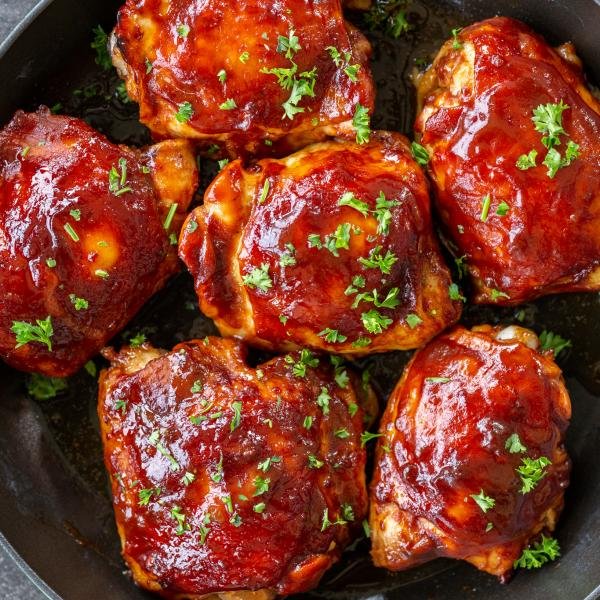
{"points": [[302, 199], [51, 166], [447, 440], [185, 67], [282, 548], [549, 241]]}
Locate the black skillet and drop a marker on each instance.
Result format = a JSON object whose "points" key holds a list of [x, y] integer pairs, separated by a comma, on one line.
{"points": [[55, 512]]}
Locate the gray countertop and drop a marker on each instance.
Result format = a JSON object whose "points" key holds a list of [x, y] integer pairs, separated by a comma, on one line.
{"points": [[14, 585]]}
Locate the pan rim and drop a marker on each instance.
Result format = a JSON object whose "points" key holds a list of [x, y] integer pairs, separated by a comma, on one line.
{"points": [[14, 557]]}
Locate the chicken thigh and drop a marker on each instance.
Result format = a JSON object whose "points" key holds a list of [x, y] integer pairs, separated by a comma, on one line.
{"points": [[87, 234], [227, 479], [245, 75], [513, 135], [471, 463], [330, 248]]}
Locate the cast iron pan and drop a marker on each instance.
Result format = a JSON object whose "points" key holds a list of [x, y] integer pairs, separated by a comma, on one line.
{"points": [[55, 509]]}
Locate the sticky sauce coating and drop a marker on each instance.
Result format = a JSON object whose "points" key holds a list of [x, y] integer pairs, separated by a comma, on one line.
{"points": [[81, 249], [330, 248], [539, 234], [290, 72], [447, 431], [227, 477]]}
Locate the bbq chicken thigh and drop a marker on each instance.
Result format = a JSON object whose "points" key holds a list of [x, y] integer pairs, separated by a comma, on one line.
{"points": [[244, 74], [471, 464], [84, 236], [513, 136], [330, 248], [230, 480]]}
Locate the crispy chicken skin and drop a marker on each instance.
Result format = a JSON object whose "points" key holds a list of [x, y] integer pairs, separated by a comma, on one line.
{"points": [[476, 122], [215, 52], [276, 258], [231, 481], [73, 253], [445, 434]]}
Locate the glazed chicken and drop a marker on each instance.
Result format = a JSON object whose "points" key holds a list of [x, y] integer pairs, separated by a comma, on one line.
{"points": [[513, 137], [87, 234], [232, 481], [471, 464], [330, 248], [251, 75]]}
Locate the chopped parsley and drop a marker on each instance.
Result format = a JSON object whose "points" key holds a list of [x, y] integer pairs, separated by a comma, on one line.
{"points": [[454, 293], [51, 263], [305, 360], [323, 400], [145, 495], [71, 232], [185, 112], [548, 121], [266, 464], [362, 342], [542, 552], [259, 508], [137, 340], [222, 75], [332, 336], [390, 301], [75, 213], [532, 472], [341, 433], [183, 30], [349, 199], [79, 303], [367, 436], [100, 45], [553, 341], [265, 191], [188, 478], [362, 124], [229, 104], [375, 322], [307, 423], [179, 517], [484, 502], [41, 332], [314, 462], [261, 485], [288, 45], [486, 202], [45, 388], [383, 213], [237, 416], [358, 282], [287, 258], [527, 161], [413, 320], [154, 440], [258, 278], [514, 445], [420, 154], [502, 209], [456, 43], [118, 178], [197, 387], [325, 522], [376, 260], [497, 294], [244, 57]]}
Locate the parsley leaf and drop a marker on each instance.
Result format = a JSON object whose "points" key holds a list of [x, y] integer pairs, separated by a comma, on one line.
{"points": [[361, 122], [456, 43], [532, 472], [306, 359], [182, 526], [26, 333], [78, 303], [290, 44], [229, 104], [332, 336], [484, 502], [367, 436], [377, 261], [375, 322], [413, 320], [420, 154], [185, 112], [349, 199], [542, 552], [237, 416], [323, 400], [527, 161], [258, 278], [454, 293], [100, 45], [383, 214], [45, 388], [553, 341], [513, 444], [548, 120], [261, 485]]}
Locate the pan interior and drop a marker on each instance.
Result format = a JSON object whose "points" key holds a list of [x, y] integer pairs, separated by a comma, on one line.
{"points": [[54, 502]]}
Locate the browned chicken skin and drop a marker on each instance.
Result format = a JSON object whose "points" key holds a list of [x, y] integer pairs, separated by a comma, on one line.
{"points": [[249, 75], [228, 478], [331, 248], [470, 409], [86, 236], [522, 229]]}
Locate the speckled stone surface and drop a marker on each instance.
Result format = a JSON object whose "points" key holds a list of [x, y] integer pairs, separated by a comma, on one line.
{"points": [[14, 585]]}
